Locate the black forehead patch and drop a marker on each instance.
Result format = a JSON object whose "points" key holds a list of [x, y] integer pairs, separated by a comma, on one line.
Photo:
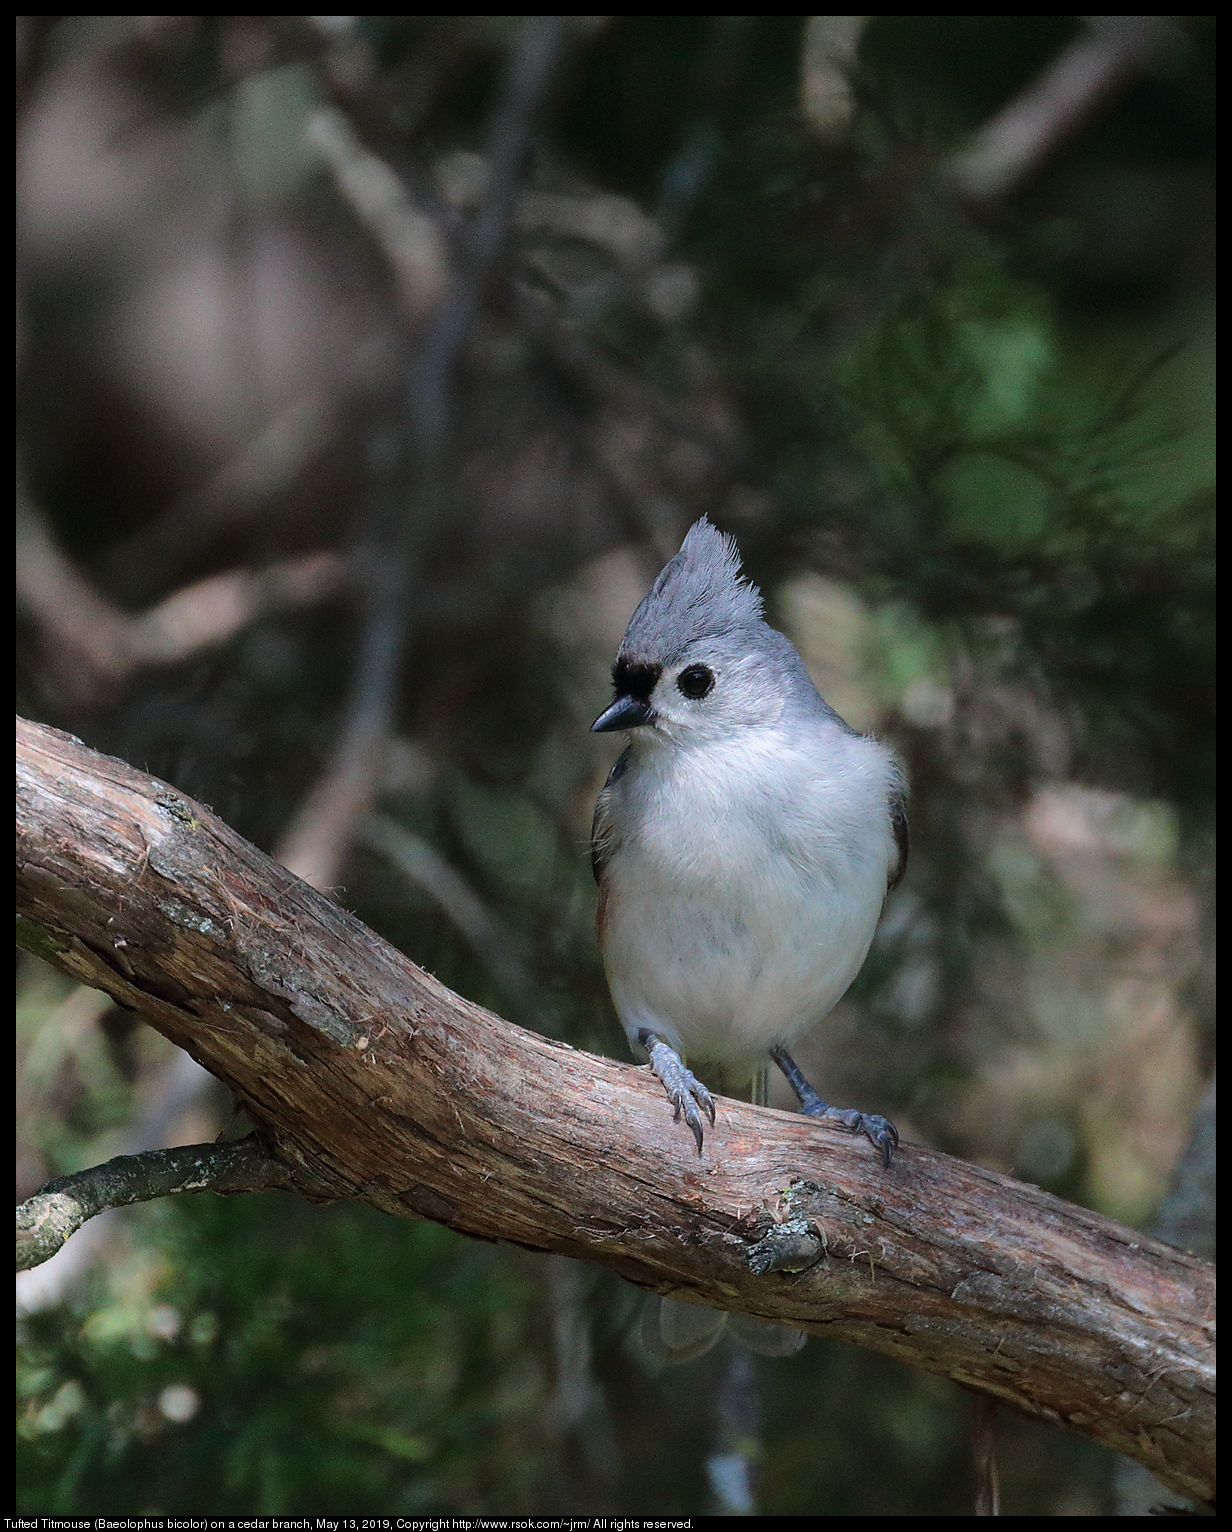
{"points": [[635, 678]]}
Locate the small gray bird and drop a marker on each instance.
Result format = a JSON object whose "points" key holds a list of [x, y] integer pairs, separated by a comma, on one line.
{"points": [[744, 841]]}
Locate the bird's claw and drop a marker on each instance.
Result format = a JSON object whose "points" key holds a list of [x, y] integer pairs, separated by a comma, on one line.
{"points": [[684, 1090], [879, 1131]]}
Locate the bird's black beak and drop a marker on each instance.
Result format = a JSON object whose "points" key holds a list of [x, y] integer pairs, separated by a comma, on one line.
{"points": [[625, 713]]}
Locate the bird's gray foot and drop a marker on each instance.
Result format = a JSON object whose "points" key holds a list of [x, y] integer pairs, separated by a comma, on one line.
{"points": [[879, 1131], [684, 1090]]}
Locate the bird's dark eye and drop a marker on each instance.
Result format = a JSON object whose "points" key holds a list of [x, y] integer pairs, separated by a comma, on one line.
{"points": [[696, 681]]}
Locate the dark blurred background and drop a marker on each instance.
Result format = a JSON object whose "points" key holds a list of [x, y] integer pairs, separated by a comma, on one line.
{"points": [[368, 369]]}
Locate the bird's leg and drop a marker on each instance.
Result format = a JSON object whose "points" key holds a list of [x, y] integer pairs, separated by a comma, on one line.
{"points": [[684, 1090], [879, 1131]]}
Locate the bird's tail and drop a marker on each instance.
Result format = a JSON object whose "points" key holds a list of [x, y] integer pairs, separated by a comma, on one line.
{"points": [[679, 1332]]}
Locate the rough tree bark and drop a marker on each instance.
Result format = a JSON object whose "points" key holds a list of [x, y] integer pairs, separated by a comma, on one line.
{"points": [[371, 1080]]}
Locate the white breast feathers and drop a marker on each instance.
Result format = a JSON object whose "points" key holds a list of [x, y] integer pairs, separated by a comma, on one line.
{"points": [[742, 886]]}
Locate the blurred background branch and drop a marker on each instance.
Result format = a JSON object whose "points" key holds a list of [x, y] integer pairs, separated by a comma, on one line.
{"points": [[101, 648], [317, 840], [1015, 143]]}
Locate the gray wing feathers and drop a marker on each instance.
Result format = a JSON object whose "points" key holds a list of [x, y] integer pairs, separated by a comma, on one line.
{"points": [[600, 837], [902, 840], [601, 825]]}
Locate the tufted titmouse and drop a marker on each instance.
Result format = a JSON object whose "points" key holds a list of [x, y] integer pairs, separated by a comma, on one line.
{"points": [[744, 841]]}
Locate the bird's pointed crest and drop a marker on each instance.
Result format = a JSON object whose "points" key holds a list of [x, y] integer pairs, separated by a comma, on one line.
{"points": [[700, 593]]}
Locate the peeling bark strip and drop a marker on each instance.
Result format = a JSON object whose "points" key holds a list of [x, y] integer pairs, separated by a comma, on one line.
{"points": [[374, 1081]]}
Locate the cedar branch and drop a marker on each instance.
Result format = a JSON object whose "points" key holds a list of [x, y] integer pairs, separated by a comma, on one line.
{"points": [[371, 1080]]}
